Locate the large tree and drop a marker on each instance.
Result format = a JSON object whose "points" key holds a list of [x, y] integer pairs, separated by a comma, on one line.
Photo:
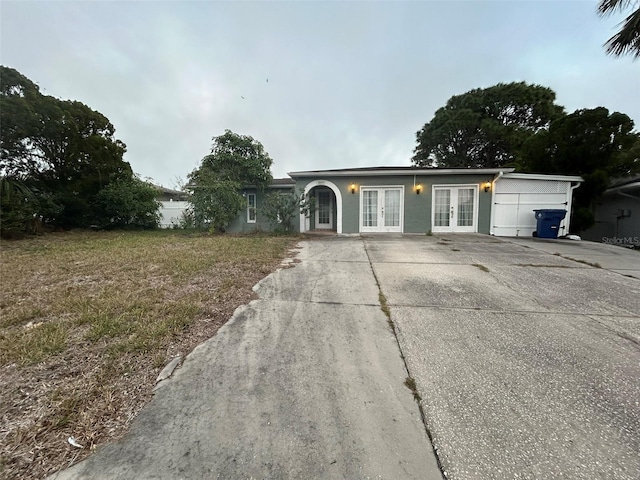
{"points": [[64, 151], [592, 143], [19, 99], [485, 128], [235, 161], [627, 40]]}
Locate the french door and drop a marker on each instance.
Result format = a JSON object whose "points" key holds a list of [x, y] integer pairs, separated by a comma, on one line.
{"points": [[324, 210], [381, 209], [455, 208]]}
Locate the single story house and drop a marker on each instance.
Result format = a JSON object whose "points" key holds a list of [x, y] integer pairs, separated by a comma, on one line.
{"points": [[493, 201], [617, 214]]}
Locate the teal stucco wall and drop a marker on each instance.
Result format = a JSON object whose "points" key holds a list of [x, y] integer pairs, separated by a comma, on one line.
{"points": [[241, 225], [417, 208]]}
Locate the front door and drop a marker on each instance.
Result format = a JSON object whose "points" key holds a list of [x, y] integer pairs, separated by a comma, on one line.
{"points": [[381, 209], [324, 210], [455, 208]]}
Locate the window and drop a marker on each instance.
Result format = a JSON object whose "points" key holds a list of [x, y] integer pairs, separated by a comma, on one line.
{"points": [[251, 208], [370, 208]]}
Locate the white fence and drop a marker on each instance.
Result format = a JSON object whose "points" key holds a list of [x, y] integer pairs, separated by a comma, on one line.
{"points": [[171, 212]]}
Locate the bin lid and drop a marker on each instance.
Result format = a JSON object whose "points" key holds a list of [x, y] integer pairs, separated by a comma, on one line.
{"points": [[550, 213]]}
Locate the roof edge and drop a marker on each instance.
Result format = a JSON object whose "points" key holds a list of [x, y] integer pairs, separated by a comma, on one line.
{"points": [[544, 176], [406, 171]]}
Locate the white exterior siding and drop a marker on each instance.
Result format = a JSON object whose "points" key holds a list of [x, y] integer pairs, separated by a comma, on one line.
{"points": [[516, 196], [171, 212]]}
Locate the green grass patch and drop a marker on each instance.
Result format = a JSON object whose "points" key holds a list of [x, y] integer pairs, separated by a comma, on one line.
{"points": [[87, 319], [119, 285], [33, 344], [481, 267], [410, 383], [384, 306], [584, 262]]}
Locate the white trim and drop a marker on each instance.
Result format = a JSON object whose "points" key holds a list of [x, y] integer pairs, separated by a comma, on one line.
{"points": [[451, 228], [381, 228], [249, 207], [400, 172], [540, 176], [304, 221], [328, 226]]}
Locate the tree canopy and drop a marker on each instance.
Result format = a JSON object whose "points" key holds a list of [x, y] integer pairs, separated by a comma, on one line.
{"points": [[485, 128], [592, 143], [235, 161], [62, 150], [627, 40], [581, 142], [519, 125]]}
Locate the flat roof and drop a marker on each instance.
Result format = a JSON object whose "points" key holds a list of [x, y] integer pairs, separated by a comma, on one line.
{"points": [[380, 171], [544, 176], [282, 182]]}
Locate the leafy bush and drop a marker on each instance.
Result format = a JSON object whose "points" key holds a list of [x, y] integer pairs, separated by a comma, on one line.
{"points": [[127, 203], [18, 207], [284, 208], [582, 219]]}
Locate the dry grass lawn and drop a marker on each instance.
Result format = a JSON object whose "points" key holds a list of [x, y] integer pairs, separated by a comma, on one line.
{"points": [[88, 319]]}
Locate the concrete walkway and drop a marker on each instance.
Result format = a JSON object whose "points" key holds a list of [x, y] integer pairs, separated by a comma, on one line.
{"points": [[306, 382]]}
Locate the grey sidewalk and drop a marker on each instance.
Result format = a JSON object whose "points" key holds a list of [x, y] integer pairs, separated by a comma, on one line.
{"points": [[306, 382]]}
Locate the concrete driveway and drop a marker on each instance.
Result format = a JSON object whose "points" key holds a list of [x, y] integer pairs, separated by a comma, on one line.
{"points": [[528, 363], [306, 382]]}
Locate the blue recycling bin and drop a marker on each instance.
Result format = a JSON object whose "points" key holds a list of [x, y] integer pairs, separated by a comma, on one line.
{"points": [[548, 222]]}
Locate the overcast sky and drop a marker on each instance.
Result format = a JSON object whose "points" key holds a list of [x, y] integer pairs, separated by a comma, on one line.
{"points": [[349, 84]]}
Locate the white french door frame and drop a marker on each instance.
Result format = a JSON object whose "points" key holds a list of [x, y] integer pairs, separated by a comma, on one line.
{"points": [[380, 228], [453, 208], [324, 226]]}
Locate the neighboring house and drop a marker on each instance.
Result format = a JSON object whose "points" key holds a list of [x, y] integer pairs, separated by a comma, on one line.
{"points": [[173, 203], [617, 214]]}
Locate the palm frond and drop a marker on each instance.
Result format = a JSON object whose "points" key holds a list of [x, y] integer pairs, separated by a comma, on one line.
{"points": [[627, 40]]}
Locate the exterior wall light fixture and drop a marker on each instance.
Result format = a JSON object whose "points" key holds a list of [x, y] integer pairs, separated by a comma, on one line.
{"points": [[352, 188], [487, 186], [418, 188]]}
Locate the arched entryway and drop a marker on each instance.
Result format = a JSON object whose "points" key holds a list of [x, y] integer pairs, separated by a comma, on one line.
{"points": [[327, 213]]}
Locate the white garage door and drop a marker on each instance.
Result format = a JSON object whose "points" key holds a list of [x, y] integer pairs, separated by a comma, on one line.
{"points": [[515, 199]]}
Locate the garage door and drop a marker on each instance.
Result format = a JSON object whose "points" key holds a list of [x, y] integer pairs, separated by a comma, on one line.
{"points": [[514, 202]]}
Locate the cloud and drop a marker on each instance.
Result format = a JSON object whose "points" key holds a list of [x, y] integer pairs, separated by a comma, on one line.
{"points": [[349, 85]]}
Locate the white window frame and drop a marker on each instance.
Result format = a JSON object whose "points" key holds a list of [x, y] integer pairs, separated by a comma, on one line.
{"points": [[328, 226], [252, 208]]}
